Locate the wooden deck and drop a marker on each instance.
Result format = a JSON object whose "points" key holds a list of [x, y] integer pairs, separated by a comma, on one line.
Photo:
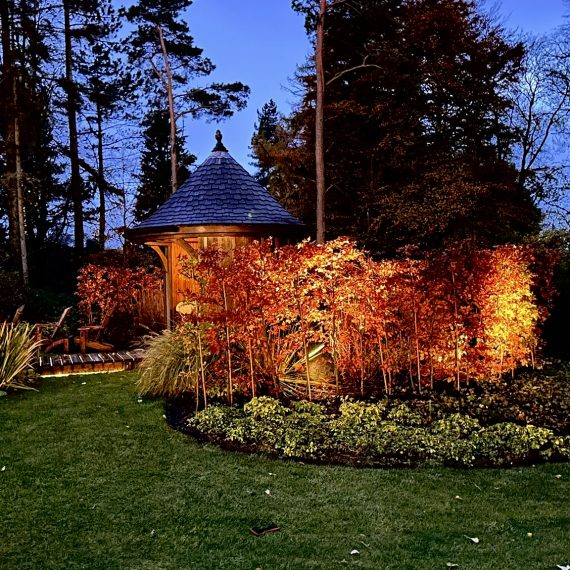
{"points": [[63, 364]]}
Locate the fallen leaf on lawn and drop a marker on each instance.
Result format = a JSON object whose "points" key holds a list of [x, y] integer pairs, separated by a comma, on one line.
{"points": [[4, 468], [139, 400], [529, 534], [83, 383], [152, 532], [272, 474], [459, 498], [558, 476], [567, 567], [268, 492], [473, 539], [452, 565], [353, 552]]}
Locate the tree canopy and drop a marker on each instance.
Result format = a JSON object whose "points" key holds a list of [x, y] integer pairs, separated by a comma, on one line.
{"points": [[417, 134]]}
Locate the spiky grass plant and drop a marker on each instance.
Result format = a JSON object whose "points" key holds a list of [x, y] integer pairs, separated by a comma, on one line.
{"points": [[293, 376], [18, 350], [172, 364]]}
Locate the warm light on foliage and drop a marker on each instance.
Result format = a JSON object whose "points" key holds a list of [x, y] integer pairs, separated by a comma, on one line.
{"points": [[361, 324], [104, 289]]}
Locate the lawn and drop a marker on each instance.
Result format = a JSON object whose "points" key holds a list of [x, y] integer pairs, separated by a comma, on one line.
{"points": [[92, 478]]}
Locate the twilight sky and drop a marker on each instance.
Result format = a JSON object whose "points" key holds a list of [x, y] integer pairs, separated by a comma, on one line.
{"points": [[260, 42]]}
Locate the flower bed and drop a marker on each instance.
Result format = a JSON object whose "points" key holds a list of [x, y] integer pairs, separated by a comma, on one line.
{"points": [[512, 422], [374, 434]]}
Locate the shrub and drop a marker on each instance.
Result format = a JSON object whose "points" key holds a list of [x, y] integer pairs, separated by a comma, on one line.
{"points": [[404, 416], [541, 400], [217, 422], [266, 419], [455, 426], [544, 400], [306, 431], [401, 444], [359, 433], [354, 428], [116, 295], [325, 320], [18, 350], [508, 444]]}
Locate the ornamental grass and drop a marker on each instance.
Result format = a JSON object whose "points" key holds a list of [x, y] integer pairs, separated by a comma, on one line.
{"points": [[18, 351]]}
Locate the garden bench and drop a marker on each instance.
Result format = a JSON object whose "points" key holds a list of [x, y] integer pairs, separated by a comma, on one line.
{"points": [[47, 333], [90, 337]]}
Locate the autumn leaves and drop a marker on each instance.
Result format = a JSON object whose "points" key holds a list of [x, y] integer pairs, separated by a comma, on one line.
{"points": [[323, 320]]}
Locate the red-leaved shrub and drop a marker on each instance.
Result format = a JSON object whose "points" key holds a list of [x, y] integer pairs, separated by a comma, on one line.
{"points": [[317, 320]]}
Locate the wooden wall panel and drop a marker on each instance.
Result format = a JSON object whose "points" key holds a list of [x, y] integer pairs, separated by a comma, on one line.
{"points": [[179, 284], [174, 252]]}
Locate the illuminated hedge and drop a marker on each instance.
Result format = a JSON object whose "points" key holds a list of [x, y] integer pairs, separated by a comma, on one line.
{"points": [[361, 324]]}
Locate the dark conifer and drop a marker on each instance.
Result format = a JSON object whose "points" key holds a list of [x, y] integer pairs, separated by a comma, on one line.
{"points": [[154, 179]]}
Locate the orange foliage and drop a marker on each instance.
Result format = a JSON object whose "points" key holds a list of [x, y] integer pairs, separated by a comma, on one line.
{"points": [[102, 290], [458, 314]]}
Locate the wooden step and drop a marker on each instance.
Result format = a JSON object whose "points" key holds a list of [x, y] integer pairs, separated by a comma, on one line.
{"points": [[64, 364]]}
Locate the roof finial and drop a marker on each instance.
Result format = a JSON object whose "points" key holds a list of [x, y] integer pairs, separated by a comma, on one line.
{"points": [[219, 146]]}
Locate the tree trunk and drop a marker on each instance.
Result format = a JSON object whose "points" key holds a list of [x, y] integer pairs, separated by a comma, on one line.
{"points": [[319, 123], [7, 100], [71, 89], [101, 178], [170, 93], [20, 190], [14, 178]]}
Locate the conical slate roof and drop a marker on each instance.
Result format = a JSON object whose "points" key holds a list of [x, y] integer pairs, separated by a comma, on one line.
{"points": [[219, 192]]}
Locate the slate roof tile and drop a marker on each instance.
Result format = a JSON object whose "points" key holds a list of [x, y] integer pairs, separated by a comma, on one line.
{"points": [[219, 192]]}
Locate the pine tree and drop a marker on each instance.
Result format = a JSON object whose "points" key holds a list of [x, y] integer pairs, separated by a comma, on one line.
{"points": [[154, 187], [164, 49], [88, 31], [107, 87], [45, 194], [265, 133], [25, 30]]}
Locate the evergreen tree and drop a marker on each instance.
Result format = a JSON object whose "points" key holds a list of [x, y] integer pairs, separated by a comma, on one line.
{"points": [[265, 133], [154, 187], [45, 194], [26, 28], [164, 49], [90, 85], [416, 117], [107, 87]]}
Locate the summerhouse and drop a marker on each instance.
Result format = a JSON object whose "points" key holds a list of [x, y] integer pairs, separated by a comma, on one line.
{"points": [[219, 205]]}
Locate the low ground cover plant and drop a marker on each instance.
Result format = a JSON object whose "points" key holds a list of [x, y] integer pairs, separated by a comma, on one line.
{"points": [[379, 433], [512, 422]]}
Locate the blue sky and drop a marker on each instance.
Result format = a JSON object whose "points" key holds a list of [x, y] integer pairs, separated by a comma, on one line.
{"points": [[260, 42]]}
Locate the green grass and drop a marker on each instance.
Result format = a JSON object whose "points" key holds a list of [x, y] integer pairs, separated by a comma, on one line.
{"points": [[95, 479]]}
